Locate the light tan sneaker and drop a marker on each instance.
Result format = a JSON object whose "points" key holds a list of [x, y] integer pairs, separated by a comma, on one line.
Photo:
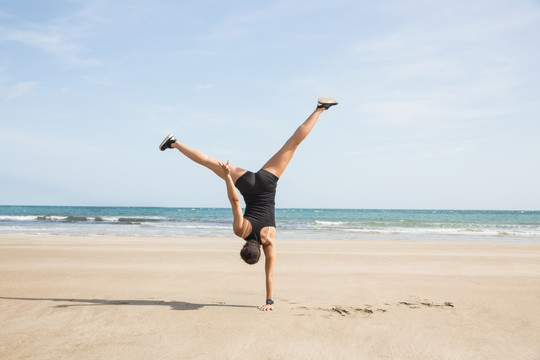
{"points": [[326, 102]]}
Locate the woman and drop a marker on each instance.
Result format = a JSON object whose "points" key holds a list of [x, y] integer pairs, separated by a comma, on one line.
{"points": [[257, 225]]}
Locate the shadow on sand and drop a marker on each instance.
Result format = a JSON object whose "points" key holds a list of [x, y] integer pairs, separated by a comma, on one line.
{"points": [[174, 305]]}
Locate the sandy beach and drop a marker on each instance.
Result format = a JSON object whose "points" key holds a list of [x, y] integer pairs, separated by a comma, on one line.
{"points": [[108, 297]]}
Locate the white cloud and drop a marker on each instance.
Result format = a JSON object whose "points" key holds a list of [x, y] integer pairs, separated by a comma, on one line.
{"points": [[5, 15], [158, 113], [453, 65], [204, 87], [66, 50], [102, 81], [19, 90]]}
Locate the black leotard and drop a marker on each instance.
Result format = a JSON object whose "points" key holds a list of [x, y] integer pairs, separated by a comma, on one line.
{"points": [[259, 192]]}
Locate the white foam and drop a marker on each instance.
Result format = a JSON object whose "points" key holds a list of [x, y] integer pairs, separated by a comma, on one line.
{"points": [[441, 231], [328, 223], [17, 218]]}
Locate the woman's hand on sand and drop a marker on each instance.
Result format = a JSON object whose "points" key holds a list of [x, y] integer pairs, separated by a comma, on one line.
{"points": [[266, 307]]}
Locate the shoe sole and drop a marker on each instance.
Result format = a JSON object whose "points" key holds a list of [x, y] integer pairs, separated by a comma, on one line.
{"points": [[327, 102], [163, 144]]}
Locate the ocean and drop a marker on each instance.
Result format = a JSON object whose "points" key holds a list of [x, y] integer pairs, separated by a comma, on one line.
{"points": [[460, 225]]}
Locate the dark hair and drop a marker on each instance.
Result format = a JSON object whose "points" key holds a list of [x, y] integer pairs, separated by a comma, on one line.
{"points": [[251, 252]]}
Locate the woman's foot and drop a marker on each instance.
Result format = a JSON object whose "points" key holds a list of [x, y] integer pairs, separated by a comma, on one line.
{"points": [[167, 142], [326, 102]]}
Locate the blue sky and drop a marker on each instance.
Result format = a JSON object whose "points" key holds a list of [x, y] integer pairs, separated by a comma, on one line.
{"points": [[440, 101]]}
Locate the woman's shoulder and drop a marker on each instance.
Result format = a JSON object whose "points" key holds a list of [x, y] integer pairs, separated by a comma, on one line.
{"points": [[268, 235]]}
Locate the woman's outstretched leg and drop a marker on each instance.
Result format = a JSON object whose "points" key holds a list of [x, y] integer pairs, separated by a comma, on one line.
{"points": [[201, 158], [277, 163]]}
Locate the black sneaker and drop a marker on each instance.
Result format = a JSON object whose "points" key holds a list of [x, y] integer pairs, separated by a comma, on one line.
{"points": [[326, 102], [167, 142]]}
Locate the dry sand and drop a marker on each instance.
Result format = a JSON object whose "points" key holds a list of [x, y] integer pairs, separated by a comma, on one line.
{"points": [[193, 298]]}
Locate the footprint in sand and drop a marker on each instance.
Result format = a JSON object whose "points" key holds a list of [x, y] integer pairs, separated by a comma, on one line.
{"points": [[425, 303], [347, 311], [376, 309]]}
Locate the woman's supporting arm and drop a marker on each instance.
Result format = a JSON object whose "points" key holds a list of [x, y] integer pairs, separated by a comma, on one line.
{"points": [[269, 249]]}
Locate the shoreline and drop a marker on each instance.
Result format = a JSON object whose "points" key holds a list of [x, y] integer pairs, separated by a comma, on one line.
{"points": [[285, 236], [83, 297], [513, 226]]}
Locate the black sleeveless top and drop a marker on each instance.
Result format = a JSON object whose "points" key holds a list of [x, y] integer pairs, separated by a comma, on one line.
{"points": [[259, 192]]}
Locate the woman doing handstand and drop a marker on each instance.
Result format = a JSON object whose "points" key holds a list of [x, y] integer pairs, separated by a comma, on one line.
{"points": [[257, 226]]}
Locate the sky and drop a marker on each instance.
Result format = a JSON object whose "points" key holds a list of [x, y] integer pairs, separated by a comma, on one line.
{"points": [[439, 101]]}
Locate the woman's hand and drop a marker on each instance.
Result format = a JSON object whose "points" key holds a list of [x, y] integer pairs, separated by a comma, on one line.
{"points": [[266, 307], [226, 171]]}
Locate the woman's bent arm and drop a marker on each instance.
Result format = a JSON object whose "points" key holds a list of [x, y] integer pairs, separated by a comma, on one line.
{"points": [[232, 194]]}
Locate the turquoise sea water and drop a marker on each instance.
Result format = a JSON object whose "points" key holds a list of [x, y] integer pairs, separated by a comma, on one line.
{"points": [[465, 225]]}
